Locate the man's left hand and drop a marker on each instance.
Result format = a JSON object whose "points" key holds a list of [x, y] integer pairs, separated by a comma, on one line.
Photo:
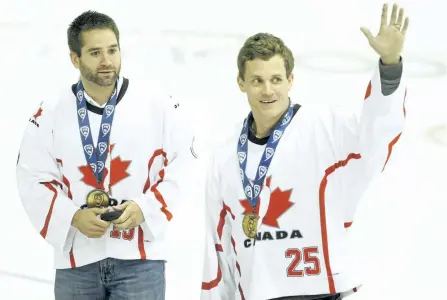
{"points": [[390, 40], [132, 216]]}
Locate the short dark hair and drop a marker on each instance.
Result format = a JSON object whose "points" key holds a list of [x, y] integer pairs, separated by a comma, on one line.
{"points": [[87, 21], [264, 46]]}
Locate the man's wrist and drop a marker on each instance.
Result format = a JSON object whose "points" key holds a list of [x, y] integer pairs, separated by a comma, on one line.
{"points": [[390, 60]]}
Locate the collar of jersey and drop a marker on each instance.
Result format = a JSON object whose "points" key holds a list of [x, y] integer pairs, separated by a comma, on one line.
{"points": [[123, 84], [263, 141]]}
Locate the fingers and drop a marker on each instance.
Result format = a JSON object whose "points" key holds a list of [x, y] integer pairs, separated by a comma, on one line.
{"points": [[95, 233], [98, 211], [126, 214], [396, 19], [368, 34], [97, 221], [95, 230], [128, 224], [100, 223], [125, 221], [384, 19], [393, 15], [94, 227], [400, 18], [122, 206], [404, 29]]}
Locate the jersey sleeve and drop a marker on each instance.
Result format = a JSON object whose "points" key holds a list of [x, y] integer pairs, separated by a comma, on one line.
{"points": [[220, 265], [366, 138], [161, 199], [39, 182]]}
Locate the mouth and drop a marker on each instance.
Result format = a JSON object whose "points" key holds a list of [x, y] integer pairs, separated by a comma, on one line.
{"points": [[105, 72], [268, 101]]}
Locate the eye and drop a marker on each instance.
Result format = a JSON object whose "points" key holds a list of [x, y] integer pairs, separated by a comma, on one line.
{"points": [[94, 53], [112, 51], [277, 80]]}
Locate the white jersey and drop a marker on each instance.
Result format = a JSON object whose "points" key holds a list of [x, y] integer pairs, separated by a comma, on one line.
{"points": [[325, 160], [149, 150]]}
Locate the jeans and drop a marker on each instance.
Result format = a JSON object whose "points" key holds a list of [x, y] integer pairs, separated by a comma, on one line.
{"points": [[112, 279]]}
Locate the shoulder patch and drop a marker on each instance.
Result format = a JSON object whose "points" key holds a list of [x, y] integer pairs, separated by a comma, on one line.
{"points": [[36, 115]]}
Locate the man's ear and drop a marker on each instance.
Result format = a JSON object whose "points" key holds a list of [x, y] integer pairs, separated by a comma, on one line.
{"points": [[241, 84], [74, 59], [290, 80]]}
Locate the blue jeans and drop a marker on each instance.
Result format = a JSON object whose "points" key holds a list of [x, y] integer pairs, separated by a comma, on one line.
{"points": [[112, 279]]}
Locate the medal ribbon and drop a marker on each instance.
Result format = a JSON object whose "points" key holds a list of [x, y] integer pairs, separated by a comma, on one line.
{"points": [[253, 190], [96, 157]]}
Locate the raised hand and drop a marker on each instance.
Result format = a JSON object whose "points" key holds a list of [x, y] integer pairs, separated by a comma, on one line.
{"points": [[390, 40]]}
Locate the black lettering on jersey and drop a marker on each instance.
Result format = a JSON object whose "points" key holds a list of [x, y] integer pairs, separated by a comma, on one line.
{"points": [[296, 234], [269, 236], [34, 122], [176, 105], [281, 235]]}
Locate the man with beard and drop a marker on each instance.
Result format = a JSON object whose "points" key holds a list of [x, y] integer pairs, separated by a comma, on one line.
{"points": [[104, 201]]}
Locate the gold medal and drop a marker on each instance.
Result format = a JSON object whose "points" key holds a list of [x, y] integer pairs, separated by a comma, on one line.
{"points": [[97, 198], [250, 225]]}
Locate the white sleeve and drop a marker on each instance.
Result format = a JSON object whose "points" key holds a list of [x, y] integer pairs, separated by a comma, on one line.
{"points": [[219, 271], [40, 183], [161, 199], [365, 139]]}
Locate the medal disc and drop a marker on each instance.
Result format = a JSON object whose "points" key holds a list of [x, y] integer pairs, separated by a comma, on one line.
{"points": [[250, 225], [97, 198]]}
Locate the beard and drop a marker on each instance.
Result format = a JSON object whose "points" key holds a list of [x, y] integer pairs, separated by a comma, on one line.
{"points": [[96, 77]]}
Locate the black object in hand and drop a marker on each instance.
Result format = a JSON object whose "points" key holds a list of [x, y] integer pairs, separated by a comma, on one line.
{"points": [[111, 215]]}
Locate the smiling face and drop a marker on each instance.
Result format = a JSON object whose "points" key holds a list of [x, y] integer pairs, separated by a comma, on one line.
{"points": [[265, 66], [267, 86]]}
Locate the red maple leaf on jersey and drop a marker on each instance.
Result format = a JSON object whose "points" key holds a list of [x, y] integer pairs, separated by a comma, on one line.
{"points": [[118, 172], [38, 113], [279, 204]]}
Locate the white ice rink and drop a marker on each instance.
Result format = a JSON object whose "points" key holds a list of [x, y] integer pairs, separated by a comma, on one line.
{"points": [[192, 47]]}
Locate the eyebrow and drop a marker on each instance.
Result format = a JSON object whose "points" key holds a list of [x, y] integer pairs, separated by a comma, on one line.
{"points": [[97, 48], [257, 76]]}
